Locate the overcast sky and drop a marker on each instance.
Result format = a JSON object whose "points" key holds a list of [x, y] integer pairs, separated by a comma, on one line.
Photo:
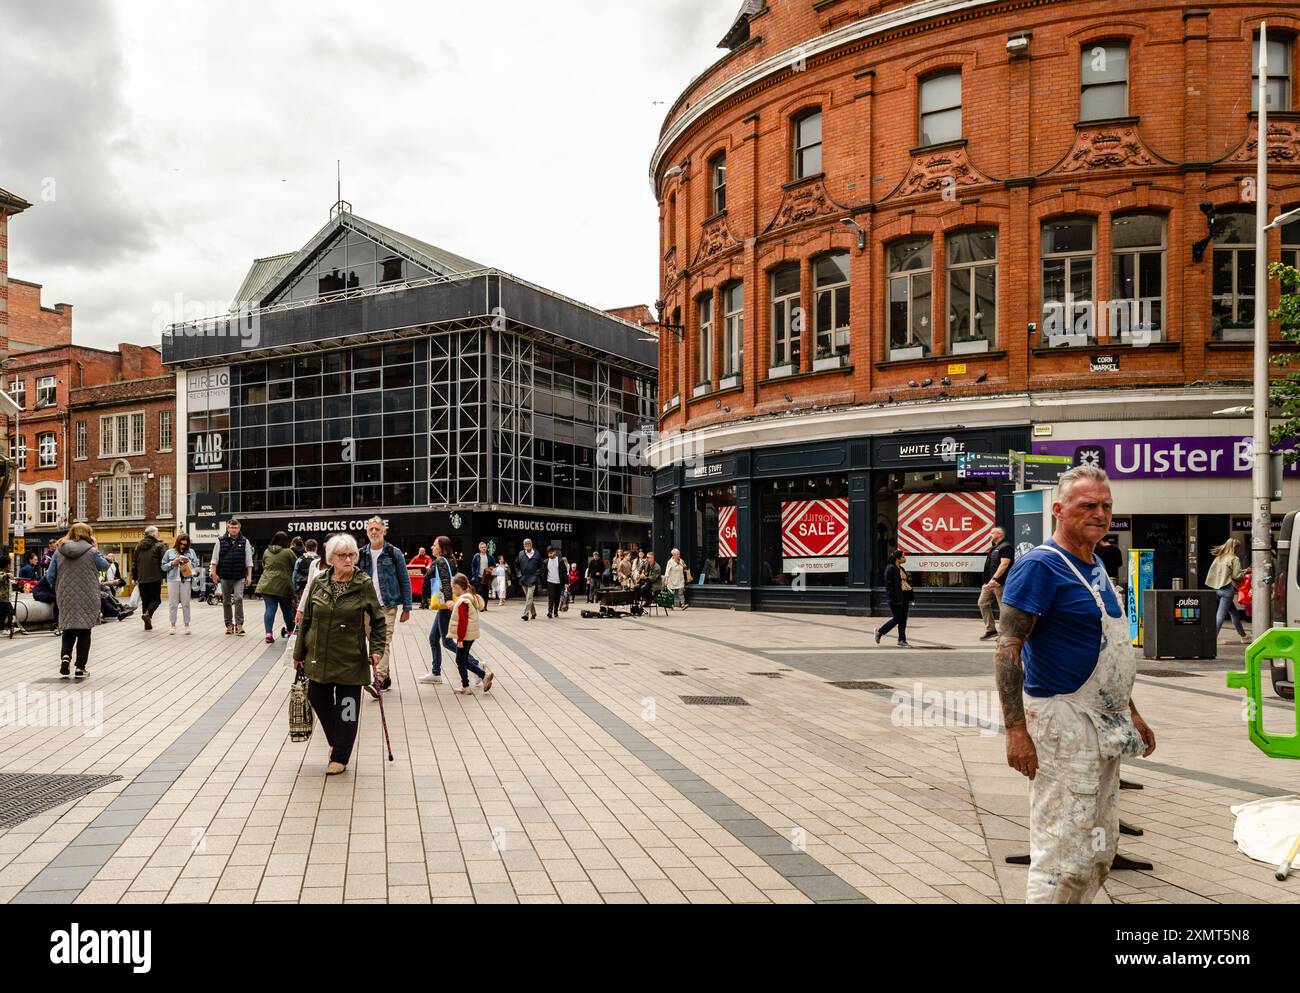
{"points": [[167, 143]]}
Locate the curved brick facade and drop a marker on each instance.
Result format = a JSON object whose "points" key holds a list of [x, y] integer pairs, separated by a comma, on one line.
{"points": [[1024, 157]]}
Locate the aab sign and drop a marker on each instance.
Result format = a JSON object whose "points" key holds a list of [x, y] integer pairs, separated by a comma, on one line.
{"points": [[209, 452]]}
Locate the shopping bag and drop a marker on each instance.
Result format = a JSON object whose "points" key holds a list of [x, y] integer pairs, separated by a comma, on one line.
{"points": [[135, 596], [301, 719]]}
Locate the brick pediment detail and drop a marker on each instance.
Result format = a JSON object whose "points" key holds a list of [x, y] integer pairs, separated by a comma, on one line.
{"points": [[934, 173], [804, 203], [1283, 143], [671, 273], [715, 239], [1107, 147]]}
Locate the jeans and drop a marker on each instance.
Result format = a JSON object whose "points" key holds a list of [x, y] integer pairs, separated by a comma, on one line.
{"points": [[466, 663], [338, 708], [232, 594], [150, 598], [899, 620], [438, 638], [270, 604], [179, 592], [81, 638], [553, 591], [987, 599], [1228, 608], [593, 589]]}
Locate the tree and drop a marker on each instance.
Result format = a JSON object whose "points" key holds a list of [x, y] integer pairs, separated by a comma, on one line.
{"points": [[1285, 395]]}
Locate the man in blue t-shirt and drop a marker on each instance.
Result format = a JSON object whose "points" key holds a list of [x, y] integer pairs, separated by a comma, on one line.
{"points": [[1064, 644]]}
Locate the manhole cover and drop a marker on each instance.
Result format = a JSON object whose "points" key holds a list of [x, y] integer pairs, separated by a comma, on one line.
{"points": [[858, 685], [673, 673], [24, 796], [769, 675], [714, 701], [1166, 674]]}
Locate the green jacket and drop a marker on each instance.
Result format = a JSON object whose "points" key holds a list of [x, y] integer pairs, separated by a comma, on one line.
{"points": [[655, 574], [277, 572], [332, 636]]}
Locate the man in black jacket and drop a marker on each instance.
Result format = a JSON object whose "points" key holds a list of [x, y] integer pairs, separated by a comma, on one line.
{"points": [[595, 574], [528, 569], [148, 574], [481, 570]]}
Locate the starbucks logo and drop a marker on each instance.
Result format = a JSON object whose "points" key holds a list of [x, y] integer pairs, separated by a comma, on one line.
{"points": [[456, 522]]}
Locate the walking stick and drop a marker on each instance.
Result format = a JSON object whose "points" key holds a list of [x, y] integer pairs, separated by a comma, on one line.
{"points": [[374, 669]]}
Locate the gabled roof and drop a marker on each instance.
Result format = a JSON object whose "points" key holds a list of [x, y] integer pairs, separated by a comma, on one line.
{"points": [[738, 33], [12, 203], [269, 275]]}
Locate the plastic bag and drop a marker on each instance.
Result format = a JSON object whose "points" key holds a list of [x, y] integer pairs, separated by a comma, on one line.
{"points": [[1266, 829]]}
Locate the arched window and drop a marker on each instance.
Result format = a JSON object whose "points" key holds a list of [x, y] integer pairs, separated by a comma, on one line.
{"points": [[1137, 266], [808, 144], [831, 305], [911, 296], [1069, 280], [973, 290], [733, 334], [1103, 81], [940, 108], [787, 321], [1234, 275], [705, 353]]}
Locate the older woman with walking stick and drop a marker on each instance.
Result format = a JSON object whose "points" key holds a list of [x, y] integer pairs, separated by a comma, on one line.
{"points": [[332, 646]]}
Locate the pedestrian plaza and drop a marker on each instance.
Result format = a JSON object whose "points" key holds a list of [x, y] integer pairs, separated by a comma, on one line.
{"points": [[701, 757]]}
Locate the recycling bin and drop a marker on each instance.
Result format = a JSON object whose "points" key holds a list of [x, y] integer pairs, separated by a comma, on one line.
{"points": [[1180, 624]]}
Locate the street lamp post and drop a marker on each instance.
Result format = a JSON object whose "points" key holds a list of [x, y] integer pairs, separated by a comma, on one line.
{"points": [[1262, 510], [9, 406]]}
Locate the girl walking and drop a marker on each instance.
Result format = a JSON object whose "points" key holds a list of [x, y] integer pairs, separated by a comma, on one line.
{"points": [[74, 573], [500, 582], [465, 627], [1224, 575], [276, 585], [180, 564], [898, 588]]}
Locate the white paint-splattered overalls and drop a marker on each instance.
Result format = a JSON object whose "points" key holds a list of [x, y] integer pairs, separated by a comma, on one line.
{"points": [[1079, 737]]}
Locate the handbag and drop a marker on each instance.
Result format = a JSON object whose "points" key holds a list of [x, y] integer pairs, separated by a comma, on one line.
{"points": [[301, 718], [187, 569], [904, 582]]}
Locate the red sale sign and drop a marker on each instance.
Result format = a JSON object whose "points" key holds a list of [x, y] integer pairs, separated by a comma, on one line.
{"points": [[815, 535], [728, 547], [945, 523]]}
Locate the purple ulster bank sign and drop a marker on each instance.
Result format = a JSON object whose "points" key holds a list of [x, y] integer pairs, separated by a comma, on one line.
{"points": [[1225, 456]]}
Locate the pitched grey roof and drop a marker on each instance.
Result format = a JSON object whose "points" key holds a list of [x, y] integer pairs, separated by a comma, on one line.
{"points": [[739, 30], [440, 260], [261, 271]]}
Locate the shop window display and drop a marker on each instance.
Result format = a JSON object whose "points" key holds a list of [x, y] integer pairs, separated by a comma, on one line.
{"points": [[804, 534], [715, 541], [963, 521]]}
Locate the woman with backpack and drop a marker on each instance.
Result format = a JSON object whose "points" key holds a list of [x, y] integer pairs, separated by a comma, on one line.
{"points": [[276, 586], [74, 573], [180, 564]]}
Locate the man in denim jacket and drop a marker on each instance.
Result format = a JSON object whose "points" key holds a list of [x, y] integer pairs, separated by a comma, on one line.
{"points": [[386, 567]]}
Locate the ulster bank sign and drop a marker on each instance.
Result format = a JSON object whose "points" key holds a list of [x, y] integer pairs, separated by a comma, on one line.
{"points": [[1228, 456]]}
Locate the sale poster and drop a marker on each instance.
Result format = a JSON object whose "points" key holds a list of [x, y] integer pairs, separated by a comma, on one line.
{"points": [[945, 523], [728, 545], [815, 535]]}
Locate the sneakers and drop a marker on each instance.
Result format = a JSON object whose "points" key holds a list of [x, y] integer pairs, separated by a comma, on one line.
{"points": [[903, 644], [429, 677], [369, 688], [187, 629], [988, 636], [487, 681], [229, 629], [878, 636], [80, 673], [65, 666], [270, 638], [524, 618], [173, 629], [239, 630], [387, 684], [335, 769]]}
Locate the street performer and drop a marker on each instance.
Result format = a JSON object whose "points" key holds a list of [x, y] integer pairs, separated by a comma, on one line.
{"points": [[1065, 671]]}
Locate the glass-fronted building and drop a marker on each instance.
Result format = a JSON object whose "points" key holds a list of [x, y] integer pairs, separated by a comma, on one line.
{"points": [[372, 373]]}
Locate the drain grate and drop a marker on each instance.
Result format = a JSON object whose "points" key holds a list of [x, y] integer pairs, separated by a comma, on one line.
{"points": [[769, 675], [24, 796], [673, 673], [859, 685], [1166, 674], [714, 701]]}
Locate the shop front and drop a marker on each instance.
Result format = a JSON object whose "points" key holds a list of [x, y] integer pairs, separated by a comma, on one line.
{"points": [[809, 527]]}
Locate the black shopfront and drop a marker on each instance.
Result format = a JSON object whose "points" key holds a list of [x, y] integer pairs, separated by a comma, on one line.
{"points": [[809, 527]]}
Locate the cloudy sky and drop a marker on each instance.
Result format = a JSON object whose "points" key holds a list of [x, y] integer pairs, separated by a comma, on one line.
{"points": [[166, 144]]}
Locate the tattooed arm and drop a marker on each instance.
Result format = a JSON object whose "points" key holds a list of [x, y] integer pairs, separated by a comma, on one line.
{"points": [[1015, 626]]}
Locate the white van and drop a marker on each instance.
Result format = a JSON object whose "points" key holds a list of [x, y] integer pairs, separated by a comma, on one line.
{"points": [[1286, 600]]}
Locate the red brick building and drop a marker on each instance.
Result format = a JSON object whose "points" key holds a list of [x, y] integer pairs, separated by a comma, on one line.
{"points": [[10, 204], [123, 468], [897, 233]]}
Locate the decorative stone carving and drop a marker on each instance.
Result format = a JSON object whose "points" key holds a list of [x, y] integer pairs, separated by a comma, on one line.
{"points": [[935, 173], [1283, 142], [1117, 147], [715, 238], [670, 267], [803, 203]]}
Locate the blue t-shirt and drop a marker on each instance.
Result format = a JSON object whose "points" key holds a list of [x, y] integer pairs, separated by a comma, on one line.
{"points": [[1063, 650]]}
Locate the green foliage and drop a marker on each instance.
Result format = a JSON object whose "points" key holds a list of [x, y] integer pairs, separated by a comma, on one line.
{"points": [[1285, 394]]}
